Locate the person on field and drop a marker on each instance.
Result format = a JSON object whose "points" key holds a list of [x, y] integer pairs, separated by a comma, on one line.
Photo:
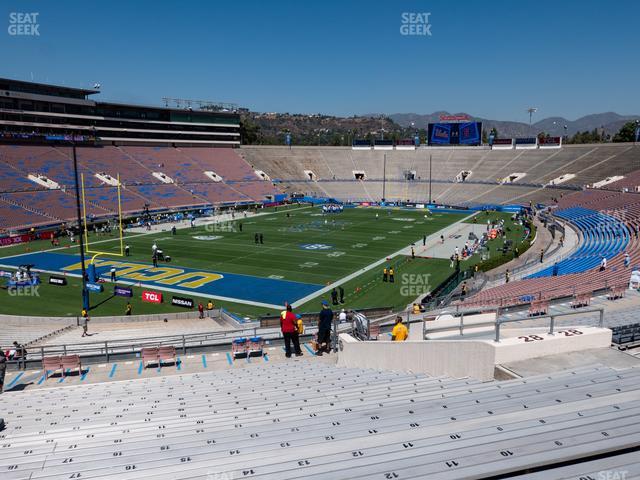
{"points": [[392, 277], [128, 309], [385, 274], [399, 332], [325, 322], [200, 310], [341, 292], [334, 296]]}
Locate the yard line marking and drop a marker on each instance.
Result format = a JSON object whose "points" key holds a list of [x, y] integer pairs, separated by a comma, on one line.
{"points": [[309, 349], [229, 359], [204, 361], [140, 367], [84, 374], [15, 379], [113, 370]]}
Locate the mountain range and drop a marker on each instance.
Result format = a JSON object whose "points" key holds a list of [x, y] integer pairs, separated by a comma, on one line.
{"points": [[610, 121]]}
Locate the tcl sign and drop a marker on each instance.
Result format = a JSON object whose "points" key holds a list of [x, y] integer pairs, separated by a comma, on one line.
{"points": [[153, 297]]}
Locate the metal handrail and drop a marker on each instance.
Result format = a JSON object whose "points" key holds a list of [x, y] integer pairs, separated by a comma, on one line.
{"points": [[499, 321]]}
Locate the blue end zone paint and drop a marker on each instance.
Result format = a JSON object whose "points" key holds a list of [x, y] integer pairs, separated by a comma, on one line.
{"points": [[232, 285], [140, 368], [84, 374], [43, 377], [15, 379], [309, 349], [229, 359], [113, 370], [204, 361]]}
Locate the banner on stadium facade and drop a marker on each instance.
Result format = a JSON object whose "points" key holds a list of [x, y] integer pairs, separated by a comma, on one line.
{"points": [[151, 296], [122, 291], [455, 118], [182, 302]]}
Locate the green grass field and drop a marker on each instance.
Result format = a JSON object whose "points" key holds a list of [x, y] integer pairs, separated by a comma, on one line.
{"points": [[303, 246]]}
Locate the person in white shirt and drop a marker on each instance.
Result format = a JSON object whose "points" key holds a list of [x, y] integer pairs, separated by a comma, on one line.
{"points": [[343, 316], [603, 264], [154, 248]]}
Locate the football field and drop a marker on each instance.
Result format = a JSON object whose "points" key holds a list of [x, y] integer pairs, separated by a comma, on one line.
{"points": [[249, 265]]}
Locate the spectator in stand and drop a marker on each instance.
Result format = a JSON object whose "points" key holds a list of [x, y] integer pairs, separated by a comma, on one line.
{"points": [[3, 369], [85, 322], [343, 316], [210, 306], [200, 310], [399, 332], [507, 276], [554, 271], [324, 328], [627, 260], [463, 291], [289, 332], [603, 264]]}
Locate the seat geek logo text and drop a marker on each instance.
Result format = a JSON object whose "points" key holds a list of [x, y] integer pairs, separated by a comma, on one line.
{"points": [[24, 24], [415, 24]]}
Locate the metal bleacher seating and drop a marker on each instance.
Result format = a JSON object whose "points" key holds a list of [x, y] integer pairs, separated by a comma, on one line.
{"points": [[626, 335], [316, 420]]}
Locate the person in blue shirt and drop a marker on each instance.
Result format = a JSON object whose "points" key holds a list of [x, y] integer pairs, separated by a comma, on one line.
{"points": [[325, 322]]}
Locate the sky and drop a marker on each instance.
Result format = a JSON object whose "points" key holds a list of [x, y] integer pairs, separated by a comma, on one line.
{"points": [[492, 59]]}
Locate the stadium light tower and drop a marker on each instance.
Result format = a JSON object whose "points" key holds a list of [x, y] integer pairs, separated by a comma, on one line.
{"points": [[531, 111]]}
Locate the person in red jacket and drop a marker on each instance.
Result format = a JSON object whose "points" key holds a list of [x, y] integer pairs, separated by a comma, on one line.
{"points": [[289, 332]]}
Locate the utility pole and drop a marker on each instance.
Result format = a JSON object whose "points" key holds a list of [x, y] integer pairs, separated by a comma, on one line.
{"points": [[85, 291], [429, 178]]}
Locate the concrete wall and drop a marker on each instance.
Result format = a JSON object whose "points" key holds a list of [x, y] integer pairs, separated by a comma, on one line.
{"points": [[452, 358], [515, 348], [466, 358]]}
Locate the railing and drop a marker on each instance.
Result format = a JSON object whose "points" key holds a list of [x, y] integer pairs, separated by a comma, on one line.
{"points": [[496, 324], [552, 317]]}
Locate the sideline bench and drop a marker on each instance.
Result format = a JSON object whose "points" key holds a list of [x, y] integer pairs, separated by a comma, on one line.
{"points": [[538, 307], [616, 292], [156, 355], [581, 300], [51, 365]]}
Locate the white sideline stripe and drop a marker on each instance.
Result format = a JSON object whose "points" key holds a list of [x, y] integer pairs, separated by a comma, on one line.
{"points": [[355, 274]]}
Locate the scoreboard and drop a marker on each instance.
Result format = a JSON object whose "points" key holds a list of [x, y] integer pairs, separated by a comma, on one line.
{"points": [[466, 133]]}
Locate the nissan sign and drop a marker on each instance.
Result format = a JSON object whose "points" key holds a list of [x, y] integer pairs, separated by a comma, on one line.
{"points": [[182, 302]]}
